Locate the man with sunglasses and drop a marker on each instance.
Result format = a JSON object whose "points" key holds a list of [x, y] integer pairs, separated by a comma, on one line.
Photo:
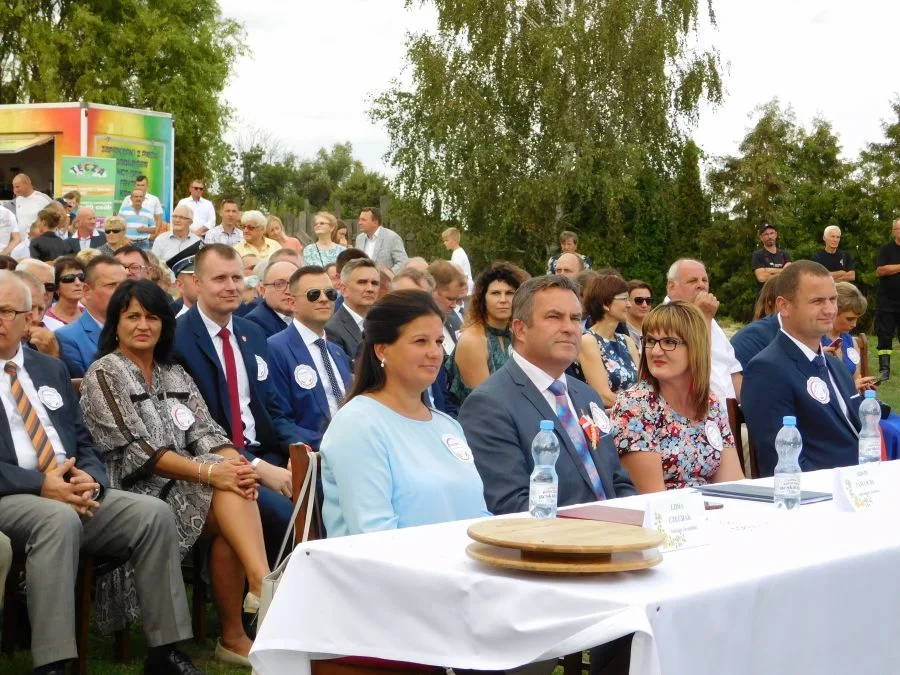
{"points": [[312, 374], [203, 210], [276, 310]]}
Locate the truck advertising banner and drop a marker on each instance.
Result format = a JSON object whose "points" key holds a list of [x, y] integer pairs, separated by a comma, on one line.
{"points": [[95, 179]]}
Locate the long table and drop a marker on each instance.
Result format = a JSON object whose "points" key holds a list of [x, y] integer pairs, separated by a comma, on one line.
{"points": [[813, 591]]}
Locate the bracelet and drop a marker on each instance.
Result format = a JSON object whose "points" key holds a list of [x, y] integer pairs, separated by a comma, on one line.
{"points": [[209, 474], [199, 469]]}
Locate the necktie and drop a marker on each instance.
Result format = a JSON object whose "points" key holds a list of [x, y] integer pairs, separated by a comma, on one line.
{"points": [[329, 371], [822, 369], [46, 457], [575, 433], [234, 399]]}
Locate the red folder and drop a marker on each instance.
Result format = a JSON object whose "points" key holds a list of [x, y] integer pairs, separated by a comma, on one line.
{"points": [[608, 514]]}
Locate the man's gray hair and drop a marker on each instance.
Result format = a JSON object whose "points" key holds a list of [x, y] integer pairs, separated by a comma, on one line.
{"points": [[418, 277], [262, 269], [255, 217], [523, 300], [30, 264], [9, 277], [831, 228], [353, 265], [672, 274]]}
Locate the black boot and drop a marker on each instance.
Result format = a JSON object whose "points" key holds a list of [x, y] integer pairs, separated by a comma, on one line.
{"points": [[884, 365]]}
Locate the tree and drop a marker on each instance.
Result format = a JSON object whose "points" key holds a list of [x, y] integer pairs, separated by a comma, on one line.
{"points": [[168, 55]]}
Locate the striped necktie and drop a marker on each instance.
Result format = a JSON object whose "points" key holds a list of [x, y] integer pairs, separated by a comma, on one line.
{"points": [[46, 457], [574, 432]]}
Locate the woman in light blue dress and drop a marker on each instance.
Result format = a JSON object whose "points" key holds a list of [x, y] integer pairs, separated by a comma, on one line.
{"points": [[388, 459], [323, 251]]}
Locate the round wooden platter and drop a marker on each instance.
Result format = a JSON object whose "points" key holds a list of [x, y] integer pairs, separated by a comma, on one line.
{"points": [[564, 536], [513, 559]]}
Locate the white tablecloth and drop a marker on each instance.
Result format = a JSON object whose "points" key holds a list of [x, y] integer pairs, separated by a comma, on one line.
{"points": [[813, 591]]}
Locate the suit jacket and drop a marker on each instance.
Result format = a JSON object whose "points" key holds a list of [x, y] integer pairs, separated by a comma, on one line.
{"points": [[453, 324], [754, 337], [195, 351], [440, 392], [48, 246], [67, 421], [78, 344], [308, 407], [775, 385], [266, 318], [502, 417], [389, 249], [342, 330]]}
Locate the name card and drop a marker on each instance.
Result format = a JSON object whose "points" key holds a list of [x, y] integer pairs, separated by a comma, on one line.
{"points": [[680, 517], [857, 488]]}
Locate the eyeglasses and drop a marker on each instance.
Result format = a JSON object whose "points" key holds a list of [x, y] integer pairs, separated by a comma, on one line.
{"points": [[178, 215], [135, 267], [643, 301], [49, 288], [313, 294], [112, 230], [623, 298], [278, 285], [9, 314], [70, 278], [667, 344]]}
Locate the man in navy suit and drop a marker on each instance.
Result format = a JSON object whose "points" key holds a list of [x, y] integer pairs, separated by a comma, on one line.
{"points": [[228, 358], [78, 340], [792, 376], [502, 416], [754, 337], [276, 308], [55, 501], [311, 374]]}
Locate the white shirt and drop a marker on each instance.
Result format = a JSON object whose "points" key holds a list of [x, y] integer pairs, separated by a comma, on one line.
{"points": [[461, 260], [243, 380], [7, 225], [151, 203], [542, 381], [26, 455], [184, 309], [218, 235], [309, 337], [27, 209], [22, 249], [168, 245], [360, 320], [369, 248], [810, 354], [203, 210]]}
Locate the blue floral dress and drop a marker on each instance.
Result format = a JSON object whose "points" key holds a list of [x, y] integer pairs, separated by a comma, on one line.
{"points": [[643, 421], [619, 365]]}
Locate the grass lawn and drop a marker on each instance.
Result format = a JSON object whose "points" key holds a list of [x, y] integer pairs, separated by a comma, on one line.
{"points": [[888, 392]]}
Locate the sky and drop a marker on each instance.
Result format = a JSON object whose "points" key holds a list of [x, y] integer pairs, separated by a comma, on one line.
{"points": [[315, 67]]}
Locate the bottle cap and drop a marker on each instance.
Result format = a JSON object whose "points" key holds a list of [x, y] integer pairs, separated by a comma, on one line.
{"points": [[789, 421], [546, 425], [870, 393]]}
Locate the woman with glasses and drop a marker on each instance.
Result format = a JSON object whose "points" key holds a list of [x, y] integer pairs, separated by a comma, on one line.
{"points": [[275, 231], [670, 430], [323, 251], [640, 298], [607, 358], [114, 230], [69, 275]]}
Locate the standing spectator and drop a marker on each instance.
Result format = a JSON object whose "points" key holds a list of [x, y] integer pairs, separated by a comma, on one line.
{"points": [[28, 202], [203, 209], [68, 272], [382, 245], [887, 303], [569, 265], [255, 240], [339, 236], [86, 235], [114, 231], [151, 202], [640, 297], [360, 280], [275, 231], [9, 231], [768, 261], [139, 218], [73, 202], [458, 256], [568, 243], [835, 260], [170, 244], [48, 245], [227, 232], [324, 250]]}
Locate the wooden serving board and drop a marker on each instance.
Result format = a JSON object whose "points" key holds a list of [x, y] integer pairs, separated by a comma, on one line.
{"points": [[566, 536], [512, 559]]}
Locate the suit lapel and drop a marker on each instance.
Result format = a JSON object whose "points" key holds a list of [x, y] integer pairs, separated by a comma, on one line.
{"points": [[340, 360], [301, 355], [379, 244], [205, 344], [246, 353]]}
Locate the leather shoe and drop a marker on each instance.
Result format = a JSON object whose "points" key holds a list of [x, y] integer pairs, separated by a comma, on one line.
{"points": [[251, 603], [225, 655], [173, 663]]}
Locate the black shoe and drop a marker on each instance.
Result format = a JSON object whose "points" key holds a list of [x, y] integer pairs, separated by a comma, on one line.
{"points": [[174, 662], [884, 365], [56, 668]]}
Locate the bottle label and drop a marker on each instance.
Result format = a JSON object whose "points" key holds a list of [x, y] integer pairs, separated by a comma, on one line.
{"points": [[543, 495], [787, 482], [870, 447]]}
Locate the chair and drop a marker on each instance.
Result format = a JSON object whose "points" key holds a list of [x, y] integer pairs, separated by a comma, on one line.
{"points": [[735, 420], [863, 343]]}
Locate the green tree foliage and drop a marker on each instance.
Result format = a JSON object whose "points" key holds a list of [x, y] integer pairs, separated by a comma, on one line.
{"points": [[526, 117], [168, 55]]}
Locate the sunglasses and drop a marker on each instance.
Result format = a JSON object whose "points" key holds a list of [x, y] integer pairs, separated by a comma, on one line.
{"points": [[112, 230], [70, 278], [49, 288], [313, 294], [643, 301]]}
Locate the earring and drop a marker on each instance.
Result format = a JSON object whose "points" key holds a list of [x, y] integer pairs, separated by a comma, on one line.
{"points": [[382, 362]]}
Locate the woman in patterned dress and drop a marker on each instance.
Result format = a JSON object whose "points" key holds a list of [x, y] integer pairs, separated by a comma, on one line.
{"points": [[159, 439], [608, 359], [670, 430]]}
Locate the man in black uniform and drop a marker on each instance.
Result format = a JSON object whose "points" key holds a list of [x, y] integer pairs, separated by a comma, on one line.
{"points": [[834, 259], [887, 304], [768, 261]]}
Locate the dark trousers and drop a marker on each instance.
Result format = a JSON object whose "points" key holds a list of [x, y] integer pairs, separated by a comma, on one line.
{"points": [[887, 324]]}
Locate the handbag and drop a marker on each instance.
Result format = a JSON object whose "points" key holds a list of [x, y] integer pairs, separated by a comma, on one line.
{"points": [[271, 581]]}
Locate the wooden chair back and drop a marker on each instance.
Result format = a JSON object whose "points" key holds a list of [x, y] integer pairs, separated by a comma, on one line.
{"points": [[735, 420], [301, 456], [863, 343]]}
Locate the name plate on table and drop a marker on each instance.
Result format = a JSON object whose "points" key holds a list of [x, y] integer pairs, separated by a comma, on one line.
{"points": [[857, 488], [679, 516]]}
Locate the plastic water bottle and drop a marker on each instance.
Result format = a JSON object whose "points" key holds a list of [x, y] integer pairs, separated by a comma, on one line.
{"points": [[788, 444], [544, 486], [869, 438]]}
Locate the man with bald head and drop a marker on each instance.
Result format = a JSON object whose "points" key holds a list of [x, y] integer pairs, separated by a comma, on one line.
{"points": [[28, 202], [837, 261], [416, 263], [37, 336], [140, 220], [86, 229], [171, 244], [276, 310], [569, 265]]}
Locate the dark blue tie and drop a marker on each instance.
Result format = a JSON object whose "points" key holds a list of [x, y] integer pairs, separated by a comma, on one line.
{"points": [[329, 371]]}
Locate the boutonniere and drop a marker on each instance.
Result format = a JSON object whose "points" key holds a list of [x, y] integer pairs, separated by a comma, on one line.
{"points": [[591, 431]]}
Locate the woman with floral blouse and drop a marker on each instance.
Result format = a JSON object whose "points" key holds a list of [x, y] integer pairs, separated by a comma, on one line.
{"points": [[670, 430]]}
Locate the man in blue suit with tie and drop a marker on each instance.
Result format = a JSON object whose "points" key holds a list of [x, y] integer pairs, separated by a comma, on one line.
{"points": [[310, 373], [502, 416], [793, 376], [78, 340], [228, 358]]}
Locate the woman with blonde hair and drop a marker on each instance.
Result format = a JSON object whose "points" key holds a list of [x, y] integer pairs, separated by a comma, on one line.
{"points": [[275, 230], [671, 431], [114, 230], [323, 251], [851, 304]]}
